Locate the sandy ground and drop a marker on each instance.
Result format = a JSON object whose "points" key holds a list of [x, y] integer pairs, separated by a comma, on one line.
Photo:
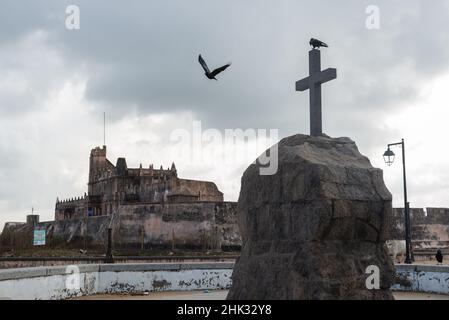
{"points": [[221, 295]]}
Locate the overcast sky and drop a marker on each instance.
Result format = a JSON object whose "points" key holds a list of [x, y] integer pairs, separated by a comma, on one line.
{"points": [[137, 61]]}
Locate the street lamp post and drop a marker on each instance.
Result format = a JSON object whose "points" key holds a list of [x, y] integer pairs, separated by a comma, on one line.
{"points": [[389, 159], [109, 256]]}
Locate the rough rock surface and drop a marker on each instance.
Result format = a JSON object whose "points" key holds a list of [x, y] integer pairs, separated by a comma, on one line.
{"points": [[311, 230]]}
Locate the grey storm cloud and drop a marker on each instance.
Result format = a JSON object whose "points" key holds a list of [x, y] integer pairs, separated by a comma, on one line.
{"points": [[140, 57], [143, 56]]}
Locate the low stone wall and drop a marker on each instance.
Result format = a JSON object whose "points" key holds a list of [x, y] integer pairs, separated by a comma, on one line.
{"points": [[55, 283], [422, 278], [31, 262]]}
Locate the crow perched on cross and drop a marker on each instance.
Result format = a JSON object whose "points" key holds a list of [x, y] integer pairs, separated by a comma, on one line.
{"points": [[315, 43]]}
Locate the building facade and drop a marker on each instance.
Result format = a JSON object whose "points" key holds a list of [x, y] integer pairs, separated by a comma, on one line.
{"points": [[113, 187]]}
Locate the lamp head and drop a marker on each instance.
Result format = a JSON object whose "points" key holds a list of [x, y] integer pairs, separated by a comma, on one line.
{"points": [[389, 157]]}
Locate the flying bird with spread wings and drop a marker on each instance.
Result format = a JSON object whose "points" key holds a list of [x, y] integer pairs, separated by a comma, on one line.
{"points": [[315, 43], [207, 72]]}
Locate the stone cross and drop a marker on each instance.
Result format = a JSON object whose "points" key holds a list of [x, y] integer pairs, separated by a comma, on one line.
{"points": [[313, 83]]}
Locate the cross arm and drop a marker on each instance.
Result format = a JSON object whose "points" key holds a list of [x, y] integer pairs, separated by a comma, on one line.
{"points": [[319, 78], [303, 84], [327, 75]]}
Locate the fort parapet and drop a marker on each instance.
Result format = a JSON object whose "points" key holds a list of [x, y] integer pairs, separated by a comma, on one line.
{"points": [[423, 215], [430, 227]]}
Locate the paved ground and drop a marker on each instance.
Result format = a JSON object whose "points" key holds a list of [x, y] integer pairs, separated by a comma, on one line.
{"points": [[419, 296], [221, 295], [167, 295], [430, 262]]}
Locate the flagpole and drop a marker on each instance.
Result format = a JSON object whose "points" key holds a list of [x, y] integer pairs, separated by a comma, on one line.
{"points": [[104, 128]]}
